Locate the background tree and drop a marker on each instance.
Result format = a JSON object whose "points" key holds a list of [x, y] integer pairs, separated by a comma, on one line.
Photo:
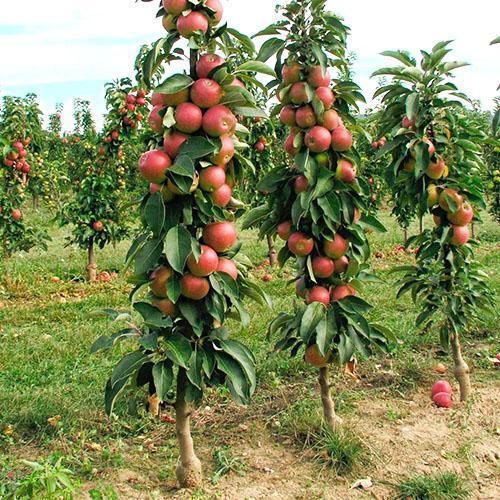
{"points": [[187, 252], [436, 154], [318, 204]]}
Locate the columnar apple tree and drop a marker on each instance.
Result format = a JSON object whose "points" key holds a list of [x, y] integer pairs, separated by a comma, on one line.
{"points": [[186, 256], [436, 164], [317, 205]]}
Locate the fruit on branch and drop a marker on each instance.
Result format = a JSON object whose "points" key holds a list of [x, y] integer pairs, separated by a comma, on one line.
{"points": [[16, 214], [194, 287], [447, 195], [287, 116], [155, 120], [290, 148], [284, 230], [346, 171], [300, 244], [318, 139], [335, 248], [299, 93], [300, 288], [188, 117], [174, 99], [221, 236], [219, 121], [212, 178], [208, 63], [160, 277], [341, 292], [314, 358], [409, 165], [341, 139], [300, 184], [227, 266], [175, 7], [430, 144], [167, 195], [462, 216], [323, 267], [435, 170], [407, 123], [291, 73], [460, 236], [222, 196], [443, 400], [441, 386], [172, 142], [166, 306], [305, 117], [318, 78], [168, 23], [341, 264], [326, 96], [192, 23], [153, 166], [318, 294], [206, 264], [206, 93], [439, 216], [225, 153], [174, 189], [98, 226], [432, 195], [331, 120], [216, 6]]}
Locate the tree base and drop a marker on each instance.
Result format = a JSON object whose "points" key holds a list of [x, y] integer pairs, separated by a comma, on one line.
{"points": [[189, 475]]}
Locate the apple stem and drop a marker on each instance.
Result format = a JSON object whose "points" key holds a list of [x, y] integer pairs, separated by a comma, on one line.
{"points": [[91, 262], [460, 368], [188, 472], [331, 419]]}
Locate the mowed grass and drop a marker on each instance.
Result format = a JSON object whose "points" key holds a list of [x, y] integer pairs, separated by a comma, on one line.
{"points": [[48, 322]]}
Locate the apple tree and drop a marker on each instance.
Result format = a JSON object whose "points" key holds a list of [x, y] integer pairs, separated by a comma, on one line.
{"points": [[188, 274], [318, 204], [436, 161]]}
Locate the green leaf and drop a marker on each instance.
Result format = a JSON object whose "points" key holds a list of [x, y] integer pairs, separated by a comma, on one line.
{"points": [[244, 357], [128, 365], [313, 314], [496, 40], [197, 147], [148, 255], [178, 349], [111, 393], [269, 48], [154, 213], [163, 377], [174, 83], [255, 66], [178, 247], [152, 315], [249, 111], [401, 56], [450, 66], [238, 384], [412, 105], [373, 223]]}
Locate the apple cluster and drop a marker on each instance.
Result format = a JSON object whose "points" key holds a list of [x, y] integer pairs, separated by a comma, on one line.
{"points": [[308, 102], [182, 18]]}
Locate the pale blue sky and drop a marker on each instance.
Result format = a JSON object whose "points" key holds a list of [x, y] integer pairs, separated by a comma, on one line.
{"points": [[73, 48]]}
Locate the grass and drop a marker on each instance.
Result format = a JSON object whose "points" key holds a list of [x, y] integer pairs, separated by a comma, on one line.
{"points": [[444, 486], [52, 388]]}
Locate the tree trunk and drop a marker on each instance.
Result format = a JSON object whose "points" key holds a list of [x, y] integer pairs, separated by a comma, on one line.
{"points": [[405, 234], [273, 256], [36, 202], [460, 368], [421, 224], [331, 419], [473, 229], [91, 263], [188, 472]]}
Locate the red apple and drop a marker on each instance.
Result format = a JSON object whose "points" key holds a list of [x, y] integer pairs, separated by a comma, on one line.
{"points": [[341, 139], [216, 6], [226, 152], [331, 120], [335, 248], [155, 120], [16, 214], [287, 116], [175, 7], [462, 216], [153, 166], [227, 266], [159, 278], [172, 142], [221, 236], [318, 294], [341, 265], [289, 147], [326, 96], [346, 171], [206, 93], [206, 264], [284, 230], [460, 236], [291, 73], [212, 178], [305, 117], [317, 78], [207, 63], [299, 93], [443, 400], [192, 23], [300, 184], [219, 121], [300, 244], [188, 117], [166, 306], [441, 386], [341, 292], [194, 287], [318, 139], [98, 226], [323, 267], [222, 196]]}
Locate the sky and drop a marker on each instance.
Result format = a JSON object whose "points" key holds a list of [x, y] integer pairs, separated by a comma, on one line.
{"points": [[61, 50]]}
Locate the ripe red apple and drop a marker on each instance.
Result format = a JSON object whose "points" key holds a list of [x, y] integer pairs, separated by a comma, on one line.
{"points": [[331, 120], [170, 99], [290, 73], [194, 287], [341, 292], [300, 244], [318, 294], [159, 278], [287, 116], [166, 306], [323, 267], [237, 83], [194, 22], [207, 63], [462, 216], [130, 99], [289, 147], [206, 93], [212, 178], [452, 194], [25, 169], [16, 214], [318, 139], [206, 264], [300, 184], [317, 78], [305, 117], [407, 123], [461, 235], [18, 145], [341, 139], [8, 163], [259, 146], [346, 171], [227, 266], [175, 7], [341, 265], [335, 248], [299, 93], [98, 226], [155, 120], [441, 386], [326, 96], [216, 6], [226, 152], [222, 196], [443, 400], [300, 288], [435, 170], [219, 121], [221, 236], [284, 230], [188, 117], [153, 166], [172, 142]]}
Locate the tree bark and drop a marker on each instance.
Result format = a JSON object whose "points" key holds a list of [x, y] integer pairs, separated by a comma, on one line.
{"points": [[273, 256], [460, 368], [331, 419], [421, 225], [189, 473], [405, 234], [91, 263], [473, 229]]}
